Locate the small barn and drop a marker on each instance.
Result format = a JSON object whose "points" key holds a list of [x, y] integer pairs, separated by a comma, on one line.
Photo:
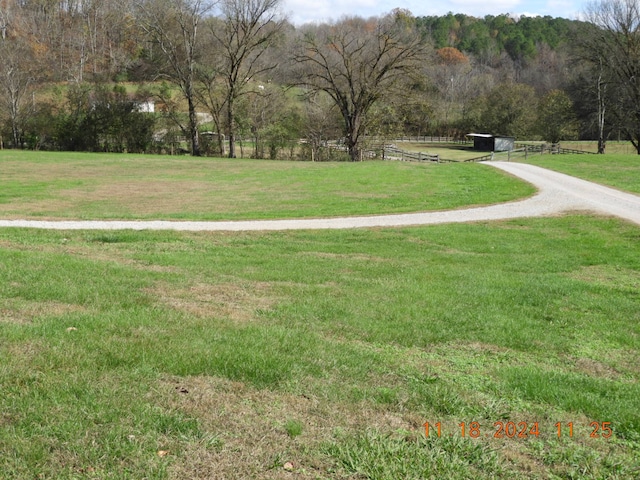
{"points": [[485, 142]]}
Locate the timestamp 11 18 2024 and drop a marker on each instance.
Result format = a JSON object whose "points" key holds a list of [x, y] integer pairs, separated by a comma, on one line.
{"points": [[511, 429]]}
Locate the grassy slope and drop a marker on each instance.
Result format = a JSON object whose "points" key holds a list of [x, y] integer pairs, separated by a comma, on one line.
{"points": [[446, 151], [207, 345], [90, 186], [616, 147], [620, 171], [215, 355]]}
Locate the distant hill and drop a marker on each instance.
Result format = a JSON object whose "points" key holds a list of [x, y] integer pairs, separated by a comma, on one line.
{"points": [[521, 38]]}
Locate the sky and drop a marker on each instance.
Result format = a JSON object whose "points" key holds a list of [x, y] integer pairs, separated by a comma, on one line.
{"points": [[305, 11]]}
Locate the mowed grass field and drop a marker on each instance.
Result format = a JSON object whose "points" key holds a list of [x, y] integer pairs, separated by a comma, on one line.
{"points": [[322, 354], [619, 171], [93, 186]]}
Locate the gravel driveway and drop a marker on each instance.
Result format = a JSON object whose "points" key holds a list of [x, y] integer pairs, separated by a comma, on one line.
{"points": [[557, 193]]}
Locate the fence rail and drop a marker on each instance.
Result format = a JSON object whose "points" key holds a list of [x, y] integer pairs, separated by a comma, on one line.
{"points": [[429, 139], [553, 149], [522, 151], [398, 154]]}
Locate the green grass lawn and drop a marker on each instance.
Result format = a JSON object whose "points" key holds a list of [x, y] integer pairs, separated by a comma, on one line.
{"points": [[618, 147], [322, 354], [447, 151], [620, 171], [93, 186]]}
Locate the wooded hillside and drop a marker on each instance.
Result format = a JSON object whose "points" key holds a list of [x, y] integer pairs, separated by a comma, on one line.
{"points": [[83, 74]]}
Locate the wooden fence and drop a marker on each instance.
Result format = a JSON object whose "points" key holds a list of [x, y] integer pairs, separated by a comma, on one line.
{"points": [[523, 151], [428, 139], [393, 153], [551, 148]]}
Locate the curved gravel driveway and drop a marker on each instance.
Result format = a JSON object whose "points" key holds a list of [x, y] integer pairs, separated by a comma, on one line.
{"points": [[557, 193]]}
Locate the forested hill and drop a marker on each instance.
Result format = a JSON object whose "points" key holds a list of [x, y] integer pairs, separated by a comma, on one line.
{"points": [[238, 69], [521, 38]]}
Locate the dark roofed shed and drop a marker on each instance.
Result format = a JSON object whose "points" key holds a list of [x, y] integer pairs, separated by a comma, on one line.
{"points": [[485, 142]]}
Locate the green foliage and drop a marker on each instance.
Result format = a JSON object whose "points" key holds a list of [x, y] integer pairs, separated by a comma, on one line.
{"points": [[417, 116], [385, 119], [283, 133], [556, 118], [436, 100], [520, 38], [40, 127], [378, 456], [509, 109], [294, 428], [103, 119], [597, 398]]}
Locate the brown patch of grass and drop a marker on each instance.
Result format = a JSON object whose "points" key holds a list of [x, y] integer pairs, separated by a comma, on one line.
{"points": [[76, 246], [485, 347], [144, 197], [237, 302], [113, 254], [345, 256], [10, 316], [23, 312], [25, 350], [246, 435], [597, 369], [608, 276], [17, 210], [625, 362], [148, 196], [122, 188], [8, 245], [515, 454]]}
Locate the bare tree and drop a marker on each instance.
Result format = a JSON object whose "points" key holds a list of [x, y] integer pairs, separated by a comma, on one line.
{"points": [[173, 26], [320, 126], [103, 32], [16, 80], [212, 93], [247, 29], [613, 47], [17, 73], [601, 89], [356, 63], [5, 19]]}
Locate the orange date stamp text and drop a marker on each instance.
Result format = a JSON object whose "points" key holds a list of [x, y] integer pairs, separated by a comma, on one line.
{"points": [[509, 429]]}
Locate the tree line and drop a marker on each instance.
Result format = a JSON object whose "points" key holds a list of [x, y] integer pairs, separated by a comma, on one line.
{"points": [[81, 74]]}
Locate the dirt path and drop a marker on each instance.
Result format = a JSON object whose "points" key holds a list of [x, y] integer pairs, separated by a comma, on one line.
{"points": [[557, 193]]}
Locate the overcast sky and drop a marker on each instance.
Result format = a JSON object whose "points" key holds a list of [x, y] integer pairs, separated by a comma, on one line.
{"points": [[303, 11]]}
